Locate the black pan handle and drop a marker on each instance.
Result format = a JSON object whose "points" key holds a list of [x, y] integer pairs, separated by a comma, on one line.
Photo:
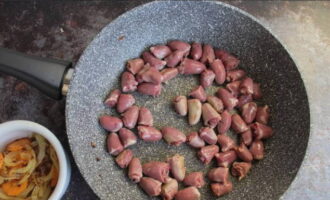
{"points": [[45, 74]]}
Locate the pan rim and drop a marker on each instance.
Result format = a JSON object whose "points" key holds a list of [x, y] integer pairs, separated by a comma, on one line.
{"points": [[253, 18]]}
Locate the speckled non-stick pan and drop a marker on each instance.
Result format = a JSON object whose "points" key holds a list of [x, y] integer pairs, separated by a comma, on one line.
{"points": [[223, 26]]}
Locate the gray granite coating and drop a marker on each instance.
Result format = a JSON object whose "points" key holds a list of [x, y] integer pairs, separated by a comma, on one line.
{"points": [[63, 29], [261, 55]]}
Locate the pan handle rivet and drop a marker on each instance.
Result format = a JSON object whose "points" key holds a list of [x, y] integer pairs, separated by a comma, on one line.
{"points": [[66, 81]]}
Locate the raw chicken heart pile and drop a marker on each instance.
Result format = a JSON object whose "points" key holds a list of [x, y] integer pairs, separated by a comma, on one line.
{"points": [[232, 107]]}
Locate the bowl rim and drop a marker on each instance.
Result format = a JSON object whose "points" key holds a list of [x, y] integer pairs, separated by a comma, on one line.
{"points": [[65, 167]]}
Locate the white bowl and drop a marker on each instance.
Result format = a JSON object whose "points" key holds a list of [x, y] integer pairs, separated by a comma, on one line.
{"points": [[13, 130]]}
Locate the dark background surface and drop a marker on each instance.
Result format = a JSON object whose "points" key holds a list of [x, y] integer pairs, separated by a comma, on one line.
{"points": [[63, 29], [50, 29]]}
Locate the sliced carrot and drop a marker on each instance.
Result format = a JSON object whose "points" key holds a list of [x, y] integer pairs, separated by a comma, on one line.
{"points": [[54, 178], [18, 145], [1, 160], [12, 188]]}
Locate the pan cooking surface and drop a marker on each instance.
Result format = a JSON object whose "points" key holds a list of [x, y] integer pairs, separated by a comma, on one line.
{"points": [[261, 55]]}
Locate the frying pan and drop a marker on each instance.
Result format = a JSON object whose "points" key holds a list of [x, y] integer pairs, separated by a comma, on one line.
{"points": [[99, 69]]}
